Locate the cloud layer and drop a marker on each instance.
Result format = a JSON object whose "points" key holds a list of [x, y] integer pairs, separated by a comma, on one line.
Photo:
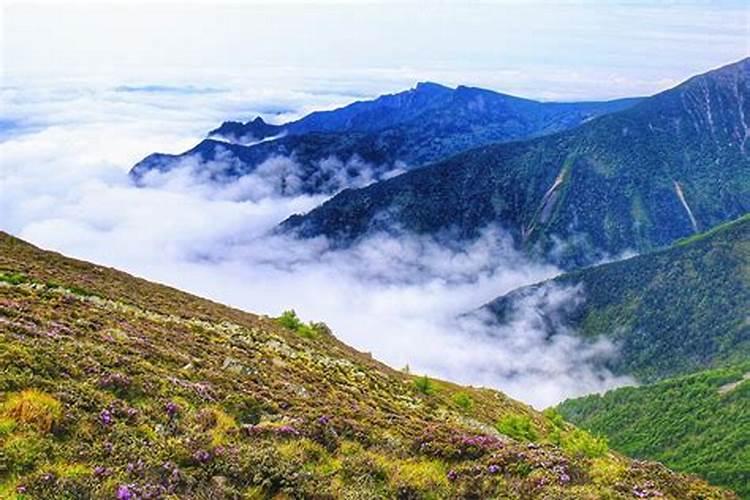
{"points": [[277, 176], [65, 187]]}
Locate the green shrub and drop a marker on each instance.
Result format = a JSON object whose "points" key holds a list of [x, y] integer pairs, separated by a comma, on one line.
{"points": [[605, 470], [290, 320], [555, 418], [418, 478], [519, 427], [217, 424], [21, 453], [7, 425], [463, 400], [244, 409], [77, 290], [424, 385], [13, 278], [580, 442]]}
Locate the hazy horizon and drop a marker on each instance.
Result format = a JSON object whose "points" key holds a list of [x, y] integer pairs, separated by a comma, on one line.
{"points": [[542, 50]]}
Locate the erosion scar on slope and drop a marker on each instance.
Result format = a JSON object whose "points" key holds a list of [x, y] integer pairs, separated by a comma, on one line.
{"points": [[681, 196], [545, 208], [732, 385]]}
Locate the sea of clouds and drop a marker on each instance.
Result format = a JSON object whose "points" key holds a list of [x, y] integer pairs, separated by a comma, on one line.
{"points": [[65, 151]]}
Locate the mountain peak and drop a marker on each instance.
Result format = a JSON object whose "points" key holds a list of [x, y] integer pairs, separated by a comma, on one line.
{"points": [[430, 87]]}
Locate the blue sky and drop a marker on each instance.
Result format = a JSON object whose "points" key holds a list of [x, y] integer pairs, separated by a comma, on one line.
{"points": [[550, 50]]}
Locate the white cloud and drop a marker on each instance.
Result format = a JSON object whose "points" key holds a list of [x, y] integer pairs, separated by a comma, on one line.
{"points": [[277, 176]]}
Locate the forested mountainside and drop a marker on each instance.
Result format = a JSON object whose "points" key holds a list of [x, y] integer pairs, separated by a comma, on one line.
{"points": [[371, 140], [698, 423], [116, 387], [671, 166], [670, 312], [679, 319]]}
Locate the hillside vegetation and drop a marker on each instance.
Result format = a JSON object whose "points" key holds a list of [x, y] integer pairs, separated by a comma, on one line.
{"points": [[670, 312], [698, 423], [114, 387]]}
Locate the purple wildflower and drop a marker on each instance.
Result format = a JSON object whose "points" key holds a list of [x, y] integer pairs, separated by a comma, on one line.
{"points": [[324, 420], [562, 473], [287, 430], [541, 481], [100, 471], [123, 492], [202, 456], [479, 441], [493, 469], [172, 409], [639, 493], [115, 381], [105, 417], [452, 475]]}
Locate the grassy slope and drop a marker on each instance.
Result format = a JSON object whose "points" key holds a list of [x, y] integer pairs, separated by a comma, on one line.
{"points": [[109, 383], [689, 423], [671, 312]]}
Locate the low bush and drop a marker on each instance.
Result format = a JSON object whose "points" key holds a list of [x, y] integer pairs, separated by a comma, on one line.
{"points": [[34, 409], [290, 320], [424, 385], [519, 427], [580, 442], [463, 400]]}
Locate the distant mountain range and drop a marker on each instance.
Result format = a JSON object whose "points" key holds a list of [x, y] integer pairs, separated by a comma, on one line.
{"points": [[399, 131], [440, 113], [670, 166]]}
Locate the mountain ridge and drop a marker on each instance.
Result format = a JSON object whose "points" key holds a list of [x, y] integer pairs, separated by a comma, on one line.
{"points": [[395, 131], [671, 312], [636, 179]]}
